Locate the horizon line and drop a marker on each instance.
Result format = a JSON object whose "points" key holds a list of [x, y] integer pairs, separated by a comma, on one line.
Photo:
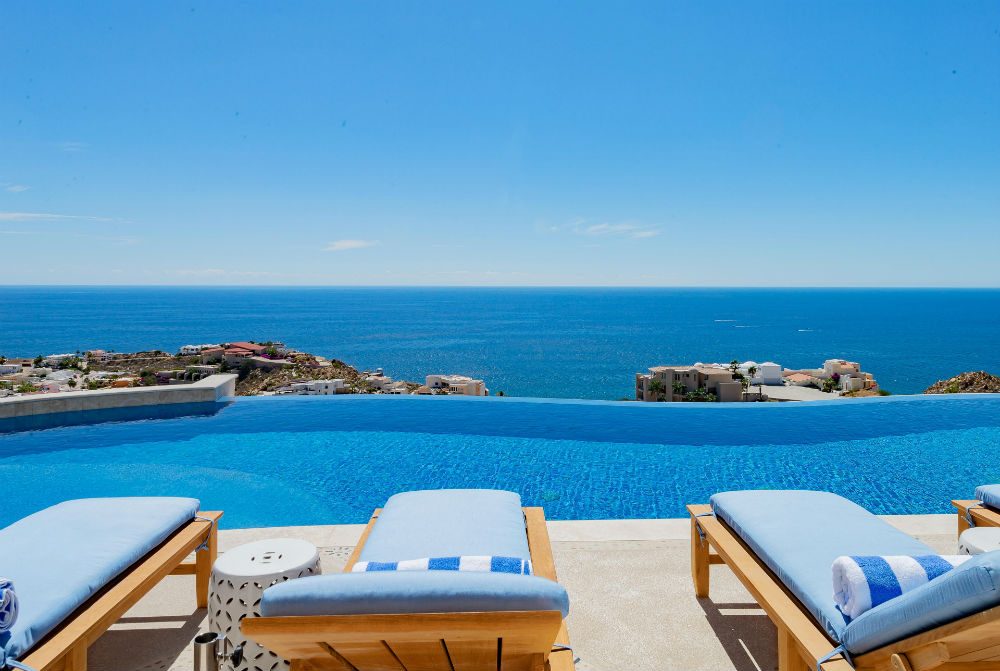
{"points": [[506, 286]]}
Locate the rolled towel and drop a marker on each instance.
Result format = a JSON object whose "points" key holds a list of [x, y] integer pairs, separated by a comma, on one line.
{"points": [[861, 583], [514, 565], [8, 605]]}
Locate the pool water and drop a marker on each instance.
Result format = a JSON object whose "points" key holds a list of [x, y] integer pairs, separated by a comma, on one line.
{"points": [[276, 461]]}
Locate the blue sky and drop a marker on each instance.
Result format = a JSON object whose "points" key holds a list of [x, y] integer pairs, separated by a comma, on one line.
{"points": [[662, 143]]}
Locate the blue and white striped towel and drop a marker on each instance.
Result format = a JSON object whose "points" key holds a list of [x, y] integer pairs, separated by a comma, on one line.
{"points": [[8, 605], [861, 583], [514, 565]]}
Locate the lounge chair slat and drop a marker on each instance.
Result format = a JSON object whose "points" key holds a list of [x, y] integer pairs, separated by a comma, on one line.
{"points": [[473, 655], [369, 656], [320, 665], [430, 656], [521, 661]]}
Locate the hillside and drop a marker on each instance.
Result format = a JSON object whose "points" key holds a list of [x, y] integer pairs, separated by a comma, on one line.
{"points": [[259, 380], [978, 382]]}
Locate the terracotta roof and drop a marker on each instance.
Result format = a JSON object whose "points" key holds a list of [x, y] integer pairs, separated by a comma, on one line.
{"points": [[799, 376], [253, 347]]}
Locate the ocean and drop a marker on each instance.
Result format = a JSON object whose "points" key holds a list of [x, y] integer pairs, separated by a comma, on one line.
{"points": [[566, 343]]}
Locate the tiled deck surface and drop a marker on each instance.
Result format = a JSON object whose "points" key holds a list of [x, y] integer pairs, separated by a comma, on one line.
{"points": [[632, 607]]}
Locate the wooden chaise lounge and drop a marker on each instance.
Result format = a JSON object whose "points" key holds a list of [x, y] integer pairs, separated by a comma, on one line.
{"points": [[898, 637], [153, 543], [983, 511], [474, 640]]}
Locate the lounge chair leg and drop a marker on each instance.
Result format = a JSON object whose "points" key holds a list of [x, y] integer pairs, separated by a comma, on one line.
{"points": [[76, 658], [699, 560], [204, 559], [789, 658], [900, 663], [963, 522]]}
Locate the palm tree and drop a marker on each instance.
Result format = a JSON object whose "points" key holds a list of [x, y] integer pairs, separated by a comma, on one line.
{"points": [[679, 388], [656, 388], [751, 372], [734, 366]]}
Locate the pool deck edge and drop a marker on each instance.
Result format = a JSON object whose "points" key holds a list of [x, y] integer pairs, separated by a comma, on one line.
{"points": [[567, 530]]}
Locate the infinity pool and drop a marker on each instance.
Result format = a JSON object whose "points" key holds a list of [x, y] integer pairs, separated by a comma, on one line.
{"points": [[324, 460]]}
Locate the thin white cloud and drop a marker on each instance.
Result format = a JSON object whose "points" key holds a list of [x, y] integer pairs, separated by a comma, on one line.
{"points": [[629, 230], [120, 240], [47, 216], [344, 245], [219, 272], [72, 146], [15, 188], [618, 230]]}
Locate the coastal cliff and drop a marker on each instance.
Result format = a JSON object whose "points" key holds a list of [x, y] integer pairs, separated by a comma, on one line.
{"points": [[977, 382]]}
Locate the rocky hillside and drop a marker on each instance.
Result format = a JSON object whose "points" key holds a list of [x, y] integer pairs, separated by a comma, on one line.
{"points": [[979, 382], [260, 380]]}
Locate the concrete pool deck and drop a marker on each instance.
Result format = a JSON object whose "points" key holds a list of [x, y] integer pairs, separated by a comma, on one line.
{"points": [[632, 606]]}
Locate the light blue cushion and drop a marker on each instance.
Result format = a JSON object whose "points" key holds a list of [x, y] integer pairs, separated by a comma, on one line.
{"points": [[448, 523], [972, 587], [412, 592], [989, 495], [433, 523], [59, 557], [798, 534]]}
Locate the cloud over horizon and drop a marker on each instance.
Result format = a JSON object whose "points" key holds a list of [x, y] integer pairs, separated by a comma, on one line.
{"points": [[48, 216], [345, 245], [625, 229]]}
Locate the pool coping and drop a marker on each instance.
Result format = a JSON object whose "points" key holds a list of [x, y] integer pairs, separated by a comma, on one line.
{"points": [[569, 531], [213, 388]]}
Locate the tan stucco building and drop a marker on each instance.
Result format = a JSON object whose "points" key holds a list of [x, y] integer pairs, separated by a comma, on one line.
{"points": [[715, 380]]}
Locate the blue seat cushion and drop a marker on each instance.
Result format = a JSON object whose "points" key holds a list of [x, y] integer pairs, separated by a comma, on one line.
{"points": [[59, 557], [989, 495], [448, 523], [413, 592], [798, 534], [968, 589]]}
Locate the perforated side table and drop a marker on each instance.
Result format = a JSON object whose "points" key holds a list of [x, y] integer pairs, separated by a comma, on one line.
{"points": [[239, 577], [978, 540]]}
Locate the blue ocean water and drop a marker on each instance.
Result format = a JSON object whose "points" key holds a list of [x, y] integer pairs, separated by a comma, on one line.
{"points": [[274, 461], [570, 343]]}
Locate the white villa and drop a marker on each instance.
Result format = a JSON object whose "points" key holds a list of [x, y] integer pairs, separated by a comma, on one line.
{"points": [[767, 372], [848, 374], [457, 384], [319, 387], [56, 359], [385, 384], [192, 350]]}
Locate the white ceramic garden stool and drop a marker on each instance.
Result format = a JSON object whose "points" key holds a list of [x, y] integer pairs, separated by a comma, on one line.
{"points": [[978, 540], [239, 577]]}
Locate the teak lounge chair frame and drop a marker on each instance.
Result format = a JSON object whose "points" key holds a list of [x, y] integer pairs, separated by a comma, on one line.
{"points": [[65, 648], [974, 510], [483, 641], [969, 644]]}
